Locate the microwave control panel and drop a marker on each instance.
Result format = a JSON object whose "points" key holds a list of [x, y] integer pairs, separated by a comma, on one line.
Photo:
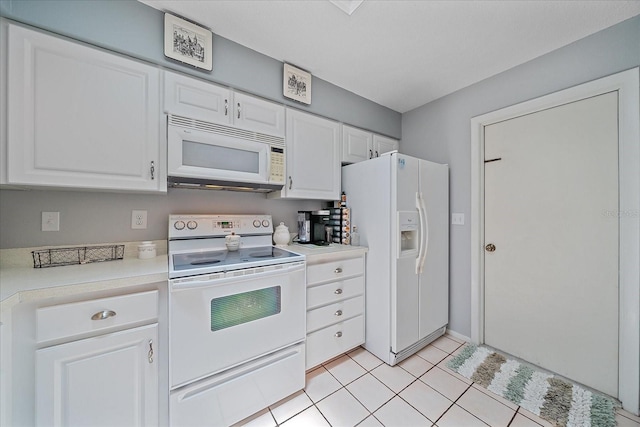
{"points": [[277, 165]]}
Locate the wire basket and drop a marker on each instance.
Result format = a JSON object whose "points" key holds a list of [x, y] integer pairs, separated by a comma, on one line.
{"points": [[78, 255]]}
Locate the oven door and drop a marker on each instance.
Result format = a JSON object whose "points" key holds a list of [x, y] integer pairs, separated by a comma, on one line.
{"points": [[211, 156], [219, 321]]}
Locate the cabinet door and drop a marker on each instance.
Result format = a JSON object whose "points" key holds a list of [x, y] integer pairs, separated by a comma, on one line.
{"points": [[258, 115], [357, 144], [382, 144], [81, 117], [110, 380], [196, 99], [313, 157]]}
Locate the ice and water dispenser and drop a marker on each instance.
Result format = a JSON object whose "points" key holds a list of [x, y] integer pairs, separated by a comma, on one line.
{"points": [[408, 229]]}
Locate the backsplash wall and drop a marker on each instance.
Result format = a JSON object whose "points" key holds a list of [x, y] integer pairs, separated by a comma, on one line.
{"points": [[92, 217]]}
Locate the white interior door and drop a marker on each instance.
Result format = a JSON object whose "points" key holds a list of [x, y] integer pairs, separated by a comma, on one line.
{"points": [[551, 284]]}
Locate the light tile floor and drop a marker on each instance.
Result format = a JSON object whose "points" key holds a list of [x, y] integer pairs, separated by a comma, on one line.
{"points": [[358, 389]]}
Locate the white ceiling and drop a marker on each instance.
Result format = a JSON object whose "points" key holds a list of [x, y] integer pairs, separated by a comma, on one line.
{"points": [[400, 53]]}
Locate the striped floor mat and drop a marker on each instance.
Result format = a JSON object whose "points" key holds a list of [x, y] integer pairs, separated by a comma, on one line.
{"points": [[556, 400]]}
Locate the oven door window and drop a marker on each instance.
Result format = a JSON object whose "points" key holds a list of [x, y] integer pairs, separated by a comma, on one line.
{"points": [[236, 309]]}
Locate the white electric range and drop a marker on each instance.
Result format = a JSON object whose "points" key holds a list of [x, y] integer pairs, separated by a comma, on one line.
{"points": [[236, 319]]}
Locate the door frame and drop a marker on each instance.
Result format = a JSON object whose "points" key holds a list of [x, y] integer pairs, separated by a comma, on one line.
{"points": [[627, 84]]}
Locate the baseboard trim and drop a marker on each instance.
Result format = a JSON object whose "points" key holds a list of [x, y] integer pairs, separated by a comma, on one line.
{"points": [[457, 335]]}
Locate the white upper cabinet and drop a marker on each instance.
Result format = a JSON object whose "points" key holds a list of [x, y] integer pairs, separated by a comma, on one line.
{"points": [[313, 158], [382, 144], [196, 99], [258, 115], [359, 145], [80, 117]]}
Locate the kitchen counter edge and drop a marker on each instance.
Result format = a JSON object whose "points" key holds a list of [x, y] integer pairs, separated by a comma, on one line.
{"points": [[21, 284]]}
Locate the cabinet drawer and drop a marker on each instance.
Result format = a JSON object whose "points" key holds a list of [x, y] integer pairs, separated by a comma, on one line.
{"points": [[68, 320], [323, 316], [334, 340], [334, 291], [334, 270]]}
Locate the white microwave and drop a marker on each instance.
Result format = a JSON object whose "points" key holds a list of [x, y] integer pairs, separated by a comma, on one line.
{"points": [[215, 156]]}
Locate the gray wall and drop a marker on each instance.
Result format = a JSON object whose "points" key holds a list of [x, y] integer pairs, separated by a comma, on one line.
{"points": [[135, 29], [91, 217], [440, 131]]}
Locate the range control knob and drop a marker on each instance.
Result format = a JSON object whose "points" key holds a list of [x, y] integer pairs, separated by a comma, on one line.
{"points": [[192, 225], [265, 222], [256, 223], [179, 225]]}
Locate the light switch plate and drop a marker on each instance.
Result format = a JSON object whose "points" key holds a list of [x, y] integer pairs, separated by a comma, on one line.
{"points": [[457, 219], [50, 221]]}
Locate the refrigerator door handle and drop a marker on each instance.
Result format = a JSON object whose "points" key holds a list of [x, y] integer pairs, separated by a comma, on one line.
{"points": [[424, 233]]}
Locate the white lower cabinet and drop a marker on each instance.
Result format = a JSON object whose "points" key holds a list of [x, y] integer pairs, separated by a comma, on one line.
{"points": [[97, 364], [335, 306], [110, 380]]}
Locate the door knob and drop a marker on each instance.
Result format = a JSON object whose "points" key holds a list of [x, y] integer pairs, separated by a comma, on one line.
{"points": [[490, 247]]}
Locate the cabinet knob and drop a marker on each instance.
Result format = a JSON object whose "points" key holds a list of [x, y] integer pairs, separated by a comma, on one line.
{"points": [[490, 247], [338, 313], [337, 291], [338, 270], [338, 334], [104, 314]]}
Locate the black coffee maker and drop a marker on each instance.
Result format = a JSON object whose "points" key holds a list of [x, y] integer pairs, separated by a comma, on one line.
{"points": [[314, 227]]}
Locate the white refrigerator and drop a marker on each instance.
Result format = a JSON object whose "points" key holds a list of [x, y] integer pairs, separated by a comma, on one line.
{"points": [[400, 206]]}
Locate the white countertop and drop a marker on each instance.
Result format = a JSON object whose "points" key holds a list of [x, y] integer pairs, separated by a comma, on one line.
{"points": [[310, 250], [18, 284], [25, 283]]}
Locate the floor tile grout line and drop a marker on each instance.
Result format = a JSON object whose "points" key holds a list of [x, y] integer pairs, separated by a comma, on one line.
{"points": [[513, 417], [631, 419], [525, 415], [418, 378], [462, 407]]}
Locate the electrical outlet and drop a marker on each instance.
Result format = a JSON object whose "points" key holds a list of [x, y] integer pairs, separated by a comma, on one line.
{"points": [[457, 219], [138, 219], [50, 221]]}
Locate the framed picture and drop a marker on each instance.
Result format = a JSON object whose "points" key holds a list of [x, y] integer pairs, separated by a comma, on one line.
{"points": [[297, 84], [187, 42]]}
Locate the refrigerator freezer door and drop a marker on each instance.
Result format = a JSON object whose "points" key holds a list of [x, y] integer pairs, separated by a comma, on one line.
{"points": [[404, 280], [434, 280]]}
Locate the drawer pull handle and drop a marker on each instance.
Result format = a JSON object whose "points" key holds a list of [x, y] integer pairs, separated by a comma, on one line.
{"points": [[104, 314], [337, 291], [338, 270], [338, 313], [338, 334]]}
